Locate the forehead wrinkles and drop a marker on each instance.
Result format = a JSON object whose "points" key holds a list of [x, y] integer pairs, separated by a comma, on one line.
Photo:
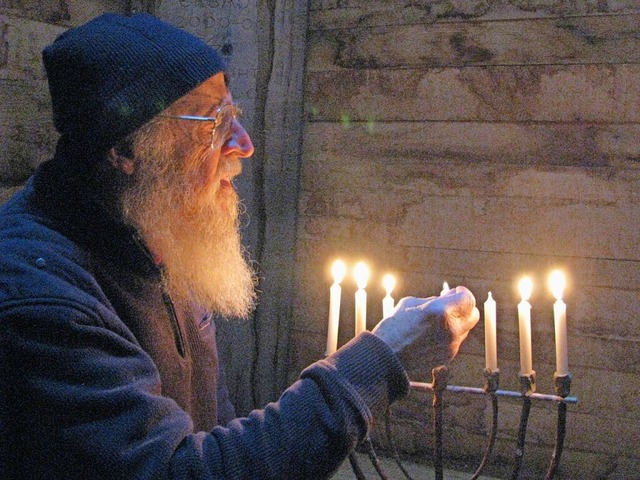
{"points": [[195, 104]]}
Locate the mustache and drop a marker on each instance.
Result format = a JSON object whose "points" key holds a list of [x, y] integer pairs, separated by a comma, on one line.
{"points": [[230, 167]]}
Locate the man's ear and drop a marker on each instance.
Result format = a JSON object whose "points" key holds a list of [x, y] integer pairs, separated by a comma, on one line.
{"points": [[121, 162]]}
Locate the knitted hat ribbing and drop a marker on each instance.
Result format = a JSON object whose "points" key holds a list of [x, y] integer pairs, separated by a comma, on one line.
{"points": [[113, 74]]}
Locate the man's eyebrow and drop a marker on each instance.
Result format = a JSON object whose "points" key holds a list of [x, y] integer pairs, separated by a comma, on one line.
{"points": [[204, 94], [215, 106], [199, 100], [207, 97]]}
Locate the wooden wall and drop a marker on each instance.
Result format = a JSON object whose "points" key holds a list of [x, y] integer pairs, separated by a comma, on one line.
{"points": [[474, 142], [26, 128]]}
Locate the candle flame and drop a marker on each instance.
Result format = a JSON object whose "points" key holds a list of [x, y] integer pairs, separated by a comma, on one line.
{"points": [[557, 284], [389, 283], [361, 274], [338, 270], [525, 286], [445, 288]]}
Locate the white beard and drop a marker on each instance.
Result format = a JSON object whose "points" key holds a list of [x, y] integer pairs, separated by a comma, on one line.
{"points": [[195, 234]]}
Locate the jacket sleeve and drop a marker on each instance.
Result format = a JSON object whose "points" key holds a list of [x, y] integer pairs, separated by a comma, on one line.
{"points": [[81, 400]]}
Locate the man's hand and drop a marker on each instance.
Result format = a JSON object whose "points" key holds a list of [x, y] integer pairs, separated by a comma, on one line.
{"points": [[426, 332]]}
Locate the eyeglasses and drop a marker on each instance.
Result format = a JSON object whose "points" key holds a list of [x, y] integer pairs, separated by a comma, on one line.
{"points": [[222, 122]]}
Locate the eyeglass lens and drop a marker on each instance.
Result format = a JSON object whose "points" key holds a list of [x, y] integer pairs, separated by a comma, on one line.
{"points": [[222, 127]]}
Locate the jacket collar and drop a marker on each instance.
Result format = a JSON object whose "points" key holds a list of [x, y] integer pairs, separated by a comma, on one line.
{"points": [[61, 191]]}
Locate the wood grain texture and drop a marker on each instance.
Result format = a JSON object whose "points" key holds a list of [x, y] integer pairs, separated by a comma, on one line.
{"points": [[277, 186], [371, 13], [521, 93], [475, 142], [61, 12], [26, 127], [608, 39]]}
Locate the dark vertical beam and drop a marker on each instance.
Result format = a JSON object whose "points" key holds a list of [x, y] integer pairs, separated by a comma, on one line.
{"points": [[277, 186]]}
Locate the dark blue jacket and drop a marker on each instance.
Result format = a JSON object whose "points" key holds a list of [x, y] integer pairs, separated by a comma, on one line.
{"points": [[102, 375]]}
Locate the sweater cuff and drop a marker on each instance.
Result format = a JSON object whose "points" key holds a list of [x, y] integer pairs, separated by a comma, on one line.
{"points": [[370, 368]]}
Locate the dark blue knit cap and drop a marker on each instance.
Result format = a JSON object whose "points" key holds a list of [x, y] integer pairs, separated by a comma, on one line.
{"points": [[113, 74]]}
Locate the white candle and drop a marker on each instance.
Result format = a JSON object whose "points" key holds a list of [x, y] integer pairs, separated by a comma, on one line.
{"points": [[361, 273], [490, 344], [338, 271], [388, 282], [524, 318], [557, 284], [445, 288]]}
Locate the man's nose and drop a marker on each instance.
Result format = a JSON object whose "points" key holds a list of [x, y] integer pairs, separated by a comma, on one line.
{"points": [[239, 143]]}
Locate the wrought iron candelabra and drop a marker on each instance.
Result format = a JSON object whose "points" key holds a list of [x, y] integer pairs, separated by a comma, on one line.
{"points": [[527, 395]]}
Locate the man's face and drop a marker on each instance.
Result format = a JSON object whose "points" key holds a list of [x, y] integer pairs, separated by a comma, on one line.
{"points": [[209, 170], [183, 203]]}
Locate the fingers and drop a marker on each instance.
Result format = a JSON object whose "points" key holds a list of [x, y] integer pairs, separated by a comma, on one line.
{"points": [[427, 330], [460, 315], [412, 302], [474, 317]]}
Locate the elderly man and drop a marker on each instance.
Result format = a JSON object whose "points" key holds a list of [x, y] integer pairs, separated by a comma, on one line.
{"points": [[114, 257]]}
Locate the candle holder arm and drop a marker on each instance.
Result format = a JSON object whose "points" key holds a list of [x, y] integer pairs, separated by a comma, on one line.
{"points": [[440, 378], [375, 461], [527, 387], [562, 389], [492, 383], [355, 466], [394, 449]]}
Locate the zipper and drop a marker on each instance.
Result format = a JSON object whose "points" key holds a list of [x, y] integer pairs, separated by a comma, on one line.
{"points": [[177, 333]]}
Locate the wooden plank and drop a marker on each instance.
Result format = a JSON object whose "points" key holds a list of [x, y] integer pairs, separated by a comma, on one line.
{"points": [[540, 93], [535, 227], [525, 225], [363, 13], [435, 154], [4, 47], [277, 189], [23, 43], [520, 216], [26, 127], [64, 13], [415, 160], [48, 11], [577, 40]]}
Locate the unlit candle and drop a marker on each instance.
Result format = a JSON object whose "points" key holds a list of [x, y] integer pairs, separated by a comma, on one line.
{"points": [[338, 270], [490, 342], [361, 273], [388, 282], [557, 284], [524, 320]]}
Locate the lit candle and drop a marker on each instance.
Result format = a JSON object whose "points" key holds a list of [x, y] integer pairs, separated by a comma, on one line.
{"points": [[361, 273], [557, 284], [388, 282], [445, 288], [490, 346], [338, 271], [524, 317]]}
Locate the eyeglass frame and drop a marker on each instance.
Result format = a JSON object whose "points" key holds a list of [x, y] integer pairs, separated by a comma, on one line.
{"points": [[236, 112]]}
